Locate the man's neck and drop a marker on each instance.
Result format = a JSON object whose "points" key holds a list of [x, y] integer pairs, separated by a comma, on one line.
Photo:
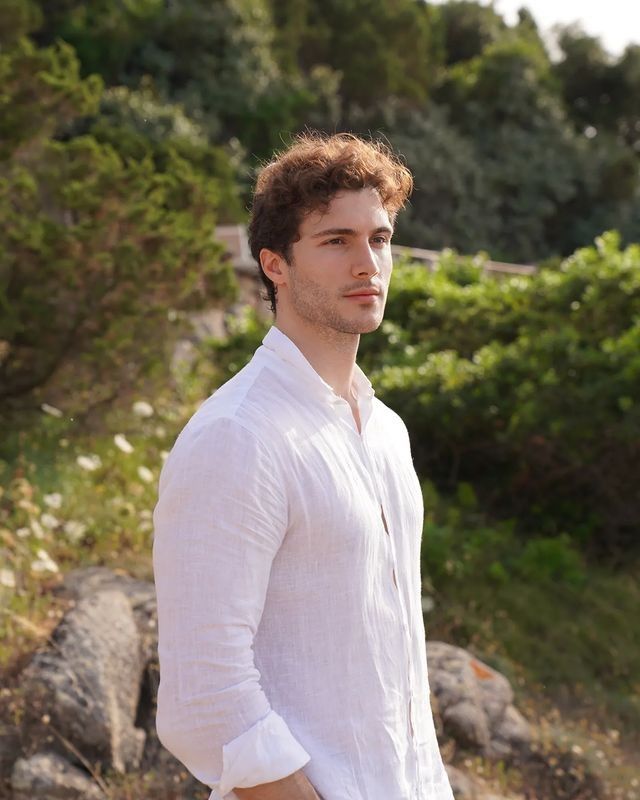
{"points": [[332, 354]]}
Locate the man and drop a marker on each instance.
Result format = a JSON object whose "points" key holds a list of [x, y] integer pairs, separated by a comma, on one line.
{"points": [[289, 519]]}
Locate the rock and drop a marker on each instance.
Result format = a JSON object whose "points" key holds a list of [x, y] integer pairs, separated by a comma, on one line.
{"points": [[85, 687], [87, 581], [475, 703], [48, 776], [512, 732], [461, 784], [467, 723]]}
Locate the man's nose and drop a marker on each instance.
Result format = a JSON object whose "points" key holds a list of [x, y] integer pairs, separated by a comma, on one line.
{"points": [[365, 261]]}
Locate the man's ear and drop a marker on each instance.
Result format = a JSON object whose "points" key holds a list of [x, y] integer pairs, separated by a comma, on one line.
{"points": [[274, 266]]}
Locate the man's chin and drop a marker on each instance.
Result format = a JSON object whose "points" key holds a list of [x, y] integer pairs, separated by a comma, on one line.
{"points": [[371, 325], [363, 328]]}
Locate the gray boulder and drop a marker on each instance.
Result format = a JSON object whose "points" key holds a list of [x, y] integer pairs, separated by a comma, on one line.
{"points": [[83, 690], [48, 776], [475, 703], [87, 581]]}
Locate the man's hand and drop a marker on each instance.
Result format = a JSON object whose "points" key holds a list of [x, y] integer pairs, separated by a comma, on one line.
{"points": [[293, 787]]}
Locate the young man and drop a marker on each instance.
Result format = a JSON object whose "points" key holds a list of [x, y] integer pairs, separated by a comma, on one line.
{"points": [[288, 525]]}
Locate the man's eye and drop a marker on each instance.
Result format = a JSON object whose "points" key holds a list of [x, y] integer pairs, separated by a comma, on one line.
{"points": [[380, 239], [335, 241]]}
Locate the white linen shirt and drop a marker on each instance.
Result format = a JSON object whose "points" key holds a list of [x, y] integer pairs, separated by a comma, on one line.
{"points": [[286, 557]]}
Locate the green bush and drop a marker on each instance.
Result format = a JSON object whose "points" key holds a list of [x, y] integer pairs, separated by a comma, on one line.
{"points": [[527, 388], [99, 243], [97, 251]]}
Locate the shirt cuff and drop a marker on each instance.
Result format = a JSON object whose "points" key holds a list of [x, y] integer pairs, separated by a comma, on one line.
{"points": [[264, 753]]}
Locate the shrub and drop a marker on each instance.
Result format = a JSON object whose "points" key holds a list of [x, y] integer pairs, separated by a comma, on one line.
{"points": [[99, 245], [526, 388]]}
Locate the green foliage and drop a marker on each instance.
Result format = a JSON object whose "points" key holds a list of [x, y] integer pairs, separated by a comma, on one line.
{"points": [[245, 333], [453, 203], [513, 154], [600, 93], [98, 244], [461, 544], [551, 559], [69, 500], [17, 19], [214, 59], [97, 250], [533, 607], [467, 28], [526, 387], [381, 49], [40, 90], [105, 35], [138, 125]]}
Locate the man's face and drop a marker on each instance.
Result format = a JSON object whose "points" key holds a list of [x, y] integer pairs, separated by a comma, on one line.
{"points": [[341, 250]]}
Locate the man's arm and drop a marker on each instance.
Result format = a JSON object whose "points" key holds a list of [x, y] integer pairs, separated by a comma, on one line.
{"points": [[293, 787], [220, 519]]}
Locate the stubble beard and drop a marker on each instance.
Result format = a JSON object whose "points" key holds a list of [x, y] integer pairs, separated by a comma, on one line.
{"points": [[318, 308]]}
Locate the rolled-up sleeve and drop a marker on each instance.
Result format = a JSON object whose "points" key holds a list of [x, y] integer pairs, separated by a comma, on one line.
{"points": [[220, 518]]}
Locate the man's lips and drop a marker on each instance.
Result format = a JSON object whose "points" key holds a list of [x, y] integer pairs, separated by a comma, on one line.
{"points": [[364, 293]]}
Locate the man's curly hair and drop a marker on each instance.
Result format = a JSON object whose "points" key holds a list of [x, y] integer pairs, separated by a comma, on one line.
{"points": [[306, 176]]}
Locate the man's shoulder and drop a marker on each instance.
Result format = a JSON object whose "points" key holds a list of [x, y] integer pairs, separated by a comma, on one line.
{"points": [[388, 417], [246, 407], [242, 401]]}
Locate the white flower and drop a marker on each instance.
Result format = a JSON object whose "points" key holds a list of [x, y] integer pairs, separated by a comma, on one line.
{"points": [[121, 442], [164, 455], [7, 578], [49, 521], [74, 530], [90, 463], [44, 562], [37, 529], [143, 409], [53, 500], [145, 474], [427, 604], [55, 412], [23, 533], [160, 431], [146, 513]]}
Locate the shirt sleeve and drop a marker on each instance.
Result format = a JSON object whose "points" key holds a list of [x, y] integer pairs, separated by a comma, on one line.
{"points": [[220, 518]]}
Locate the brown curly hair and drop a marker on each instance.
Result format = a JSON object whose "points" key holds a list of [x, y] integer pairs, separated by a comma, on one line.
{"points": [[306, 176]]}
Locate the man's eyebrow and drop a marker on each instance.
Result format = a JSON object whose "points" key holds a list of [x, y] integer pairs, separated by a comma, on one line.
{"points": [[348, 232]]}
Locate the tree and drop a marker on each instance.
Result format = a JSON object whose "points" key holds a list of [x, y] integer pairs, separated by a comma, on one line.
{"points": [[601, 93], [452, 204], [214, 58], [555, 187], [96, 245], [380, 49], [466, 28]]}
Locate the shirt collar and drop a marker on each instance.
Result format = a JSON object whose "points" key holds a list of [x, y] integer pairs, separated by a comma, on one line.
{"points": [[279, 343]]}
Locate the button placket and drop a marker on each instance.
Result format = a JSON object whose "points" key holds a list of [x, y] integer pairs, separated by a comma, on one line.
{"points": [[403, 613]]}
